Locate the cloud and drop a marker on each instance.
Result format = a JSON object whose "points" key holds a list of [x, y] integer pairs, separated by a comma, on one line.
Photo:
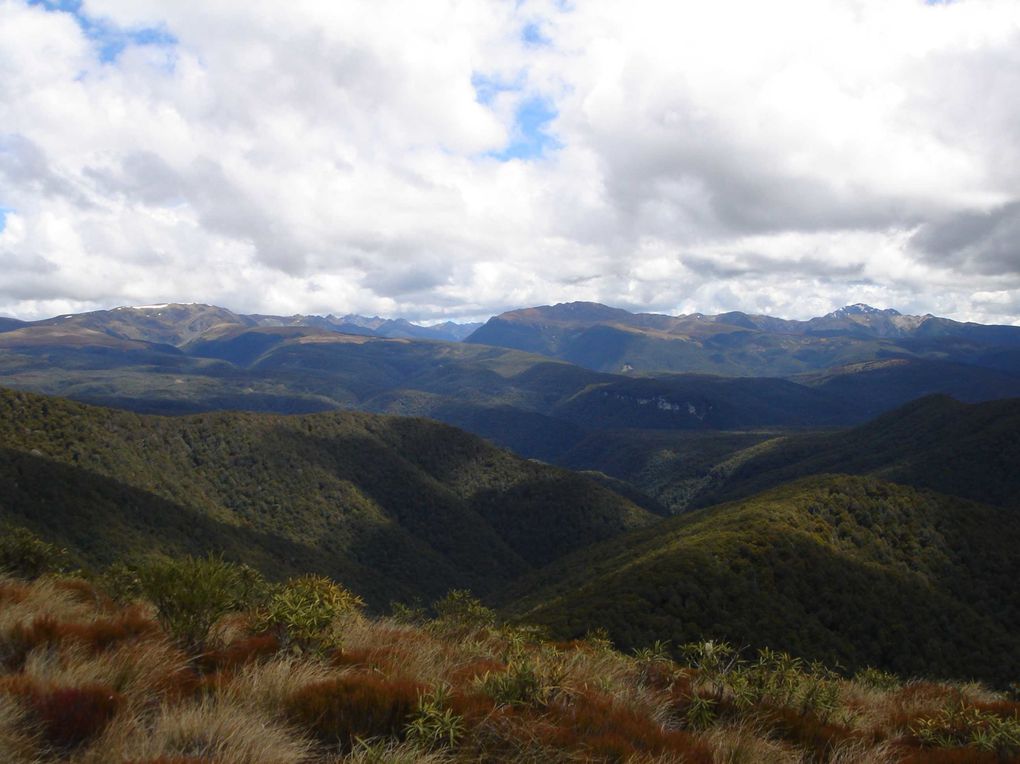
{"points": [[986, 242], [440, 158]]}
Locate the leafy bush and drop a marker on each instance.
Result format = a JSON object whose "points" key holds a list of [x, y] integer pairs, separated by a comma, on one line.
{"points": [[192, 593], [435, 724], [305, 610], [961, 725], [519, 685], [412, 613], [25, 555], [460, 609]]}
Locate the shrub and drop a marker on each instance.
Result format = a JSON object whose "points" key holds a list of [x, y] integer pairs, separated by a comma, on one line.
{"points": [[192, 593], [435, 724], [460, 609], [25, 555], [518, 685], [413, 614], [876, 679], [305, 610], [961, 725], [121, 582]]}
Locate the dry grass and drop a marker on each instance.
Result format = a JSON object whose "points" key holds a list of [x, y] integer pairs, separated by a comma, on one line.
{"points": [[84, 681], [205, 730], [17, 745], [137, 671], [268, 686], [746, 743]]}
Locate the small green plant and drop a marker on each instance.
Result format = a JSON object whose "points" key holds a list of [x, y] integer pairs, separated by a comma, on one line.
{"points": [[412, 613], [961, 725], [877, 679], [658, 652], [192, 593], [25, 555], [519, 685], [599, 640], [700, 713], [435, 725], [304, 612], [714, 661]]}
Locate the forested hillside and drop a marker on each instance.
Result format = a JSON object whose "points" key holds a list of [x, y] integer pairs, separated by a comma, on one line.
{"points": [[395, 507], [936, 442], [847, 570]]}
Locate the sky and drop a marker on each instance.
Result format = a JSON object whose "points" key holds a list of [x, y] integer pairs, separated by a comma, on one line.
{"points": [[451, 159]]}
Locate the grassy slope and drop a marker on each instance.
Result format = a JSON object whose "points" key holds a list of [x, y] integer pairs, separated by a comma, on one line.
{"points": [[845, 569], [395, 507], [85, 680]]}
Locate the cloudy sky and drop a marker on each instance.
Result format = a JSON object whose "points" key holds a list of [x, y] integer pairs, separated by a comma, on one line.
{"points": [[455, 158]]}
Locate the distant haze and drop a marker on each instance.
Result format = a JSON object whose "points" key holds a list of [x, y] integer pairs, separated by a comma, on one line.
{"points": [[435, 159]]}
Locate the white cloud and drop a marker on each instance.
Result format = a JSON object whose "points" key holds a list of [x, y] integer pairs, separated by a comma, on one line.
{"points": [[330, 157]]}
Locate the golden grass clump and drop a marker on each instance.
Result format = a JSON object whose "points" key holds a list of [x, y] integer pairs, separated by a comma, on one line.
{"points": [[204, 730]]}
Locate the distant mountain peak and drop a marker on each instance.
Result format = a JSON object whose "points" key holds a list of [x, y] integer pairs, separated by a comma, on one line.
{"points": [[861, 309]]}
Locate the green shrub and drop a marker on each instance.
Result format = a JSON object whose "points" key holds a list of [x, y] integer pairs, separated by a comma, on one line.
{"points": [[412, 613], [435, 724], [192, 593], [961, 725], [305, 610], [519, 685], [121, 582], [460, 609], [25, 555]]}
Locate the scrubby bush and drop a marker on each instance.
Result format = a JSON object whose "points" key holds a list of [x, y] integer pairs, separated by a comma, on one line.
{"points": [[520, 684], [192, 593], [304, 612], [435, 725], [959, 724], [460, 609], [24, 555]]}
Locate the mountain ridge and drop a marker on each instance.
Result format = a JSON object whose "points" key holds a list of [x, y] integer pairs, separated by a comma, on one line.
{"points": [[737, 343]]}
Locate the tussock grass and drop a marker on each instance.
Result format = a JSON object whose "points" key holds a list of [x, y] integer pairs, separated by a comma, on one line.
{"points": [[86, 681]]}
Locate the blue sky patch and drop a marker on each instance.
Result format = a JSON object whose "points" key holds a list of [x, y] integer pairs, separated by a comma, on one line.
{"points": [[529, 137], [532, 35], [487, 88], [108, 39], [4, 211]]}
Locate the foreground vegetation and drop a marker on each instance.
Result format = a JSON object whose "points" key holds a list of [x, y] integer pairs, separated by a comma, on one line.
{"points": [[197, 660]]}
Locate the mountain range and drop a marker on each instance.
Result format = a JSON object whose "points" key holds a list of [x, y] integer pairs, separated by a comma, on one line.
{"points": [[739, 344], [662, 433]]}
